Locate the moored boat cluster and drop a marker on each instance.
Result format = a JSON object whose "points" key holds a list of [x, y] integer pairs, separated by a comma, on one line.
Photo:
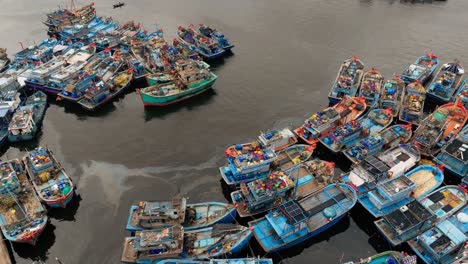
{"points": [[380, 127], [90, 60]]}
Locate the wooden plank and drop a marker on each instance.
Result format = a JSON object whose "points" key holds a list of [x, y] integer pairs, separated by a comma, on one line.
{"points": [[4, 254]]}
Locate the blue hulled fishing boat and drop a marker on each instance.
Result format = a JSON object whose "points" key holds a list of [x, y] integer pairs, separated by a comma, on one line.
{"points": [[379, 168], [399, 191], [446, 242], [22, 216], [462, 93], [421, 70], [412, 104], [152, 214], [296, 221], [9, 102], [351, 133], [218, 261], [446, 82], [321, 123], [391, 94], [261, 195], [348, 80], [382, 141], [454, 156], [371, 86], [216, 35], [206, 47], [419, 216], [48, 177], [102, 92], [277, 139], [168, 242], [247, 162], [28, 118]]}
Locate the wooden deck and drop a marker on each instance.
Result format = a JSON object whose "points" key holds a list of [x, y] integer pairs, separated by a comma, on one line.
{"points": [[4, 254]]}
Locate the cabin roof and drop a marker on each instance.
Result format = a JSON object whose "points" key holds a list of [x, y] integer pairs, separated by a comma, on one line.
{"points": [[408, 216], [375, 166], [293, 212], [458, 148]]}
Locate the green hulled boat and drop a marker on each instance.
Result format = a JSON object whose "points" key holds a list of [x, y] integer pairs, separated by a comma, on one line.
{"points": [[28, 118], [185, 84]]}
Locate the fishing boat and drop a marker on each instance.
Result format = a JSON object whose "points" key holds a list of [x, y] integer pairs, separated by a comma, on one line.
{"points": [[462, 93], [9, 102], [371, 87], [146, 56], [153, 214], [102, 93], [23, 217], [292, 156], [37, 78], [265, 194], [323, 122], [277, 139], [247, 162], [187, 83], [48, 177], [387, 257], [386, 139], [151, 246], [296, 221], [57, 81], [184, 51], [412, 104], [213, 33], [76, 87], [444, 243], [218, 261], [4, 60], [391, 94], [399, 191], [421, 70], [28, 118], [446, 82], [61, 18], [379, 168], [351, 133], [347, 81], [206, 47], [454, 156], [439, 127], [418, 216]]}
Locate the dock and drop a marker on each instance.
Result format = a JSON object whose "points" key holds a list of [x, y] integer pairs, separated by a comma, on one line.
{"points": [[4, 254]]}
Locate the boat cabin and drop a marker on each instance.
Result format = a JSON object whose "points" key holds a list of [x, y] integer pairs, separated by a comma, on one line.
{"points": [[455, 155], [391, 192], [447, 239], [151, 214], [22, 121], [418, 216], [370, 171], [277, 139], [263, 192], [159, 243]]}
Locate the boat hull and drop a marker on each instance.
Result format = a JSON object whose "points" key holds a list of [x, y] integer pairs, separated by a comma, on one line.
{"points": [[40, 87], [300, 239], [164, 101], [228, 217], [61, 202]]}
